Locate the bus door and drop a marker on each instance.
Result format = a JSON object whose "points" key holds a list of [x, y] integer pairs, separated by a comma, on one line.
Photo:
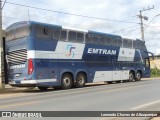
{"points": [[147, 67]]}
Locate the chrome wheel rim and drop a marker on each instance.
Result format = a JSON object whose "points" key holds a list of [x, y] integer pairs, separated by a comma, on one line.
{"points": [[66, 81], [138, 76], [80, 80], [131, 77]]}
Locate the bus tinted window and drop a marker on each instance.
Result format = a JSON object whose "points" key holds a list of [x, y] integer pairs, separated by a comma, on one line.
{"points": [[80, 37], [134, 44], [88, 39], [22, 32], [108, 41], [102, 40], [119, 42], [56, 34], [138, 45], [114, 42], [95, 39], [63, 35], [143, 46], [43, 32], [130, 43], [17, 33], [72, 36], [10, 35], [127, 43]]}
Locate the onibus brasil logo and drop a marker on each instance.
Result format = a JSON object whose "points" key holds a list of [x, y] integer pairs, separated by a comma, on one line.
{"points": [[70, 51]]}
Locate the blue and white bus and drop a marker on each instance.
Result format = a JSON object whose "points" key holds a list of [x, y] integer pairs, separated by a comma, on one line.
{"points": [[45, 55]]}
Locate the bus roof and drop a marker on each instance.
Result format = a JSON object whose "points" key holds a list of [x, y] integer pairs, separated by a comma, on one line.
{"points": [[75, 29], [23, 23], [17, 24], [105, 34]]}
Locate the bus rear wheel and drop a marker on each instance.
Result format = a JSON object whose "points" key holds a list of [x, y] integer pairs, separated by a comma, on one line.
{"points": [[43, 88], [80, 80], [66, 82], [138, 76], [131, 76], [109, 82]]}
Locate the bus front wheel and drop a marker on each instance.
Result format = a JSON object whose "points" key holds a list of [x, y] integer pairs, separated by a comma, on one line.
{"points": [[80, 80], [66, 82]]}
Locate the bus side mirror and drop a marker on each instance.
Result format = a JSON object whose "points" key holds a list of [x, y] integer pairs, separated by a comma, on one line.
{"points": [[151, 56]]}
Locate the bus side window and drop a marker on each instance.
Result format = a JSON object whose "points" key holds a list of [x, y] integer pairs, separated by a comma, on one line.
{"points": [[88, 39], [138, 45], [125, 43], [119, 42], [114, 42], [72, 36], [108, 40], [43, 32], [102, 40], [135, 44], [130, 43], [56, 34], [63, 35], [80, 37], [143, 47], [95, 39]]}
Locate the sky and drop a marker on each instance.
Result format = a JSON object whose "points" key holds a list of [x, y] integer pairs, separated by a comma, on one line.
{"points": [[120, 16]]}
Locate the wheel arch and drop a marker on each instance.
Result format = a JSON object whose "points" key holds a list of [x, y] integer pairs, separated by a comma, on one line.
{"points": [[68, 72], [133, 71], [139, 71]]}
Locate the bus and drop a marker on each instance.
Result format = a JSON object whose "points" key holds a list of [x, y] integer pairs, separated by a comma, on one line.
{"points": [[45, 55]]}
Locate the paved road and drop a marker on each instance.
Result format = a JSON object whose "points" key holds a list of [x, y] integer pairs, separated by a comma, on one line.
{"points": [[131, 96]]}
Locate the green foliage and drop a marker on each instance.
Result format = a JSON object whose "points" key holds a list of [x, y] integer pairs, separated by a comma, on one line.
{"points": [[155, 72]]}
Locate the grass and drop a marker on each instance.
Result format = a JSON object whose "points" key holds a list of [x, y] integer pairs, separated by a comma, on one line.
{"points": [[155, 72]]}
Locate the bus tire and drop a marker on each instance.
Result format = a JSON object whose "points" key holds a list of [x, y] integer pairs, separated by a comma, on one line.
{"points": [[138, 76], [109, 82], [66, 81], [42, 88], [80, 80], [131, 76]]}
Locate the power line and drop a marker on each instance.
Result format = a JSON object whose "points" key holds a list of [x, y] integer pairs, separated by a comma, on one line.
{"points": [[78, 15], [151, 21], [124, 29]]}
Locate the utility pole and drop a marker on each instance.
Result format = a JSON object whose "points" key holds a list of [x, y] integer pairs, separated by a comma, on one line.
{"points": [[2, 81], [145, 18]]}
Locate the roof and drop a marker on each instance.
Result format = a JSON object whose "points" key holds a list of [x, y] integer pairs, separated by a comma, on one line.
{"points": [[75, 29], [105, 34]]}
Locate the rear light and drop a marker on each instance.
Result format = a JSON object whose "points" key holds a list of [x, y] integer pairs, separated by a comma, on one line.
{"points": [[30, 66]]}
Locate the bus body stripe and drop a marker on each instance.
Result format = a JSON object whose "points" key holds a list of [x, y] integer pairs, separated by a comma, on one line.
{"points": [[64, 50]]}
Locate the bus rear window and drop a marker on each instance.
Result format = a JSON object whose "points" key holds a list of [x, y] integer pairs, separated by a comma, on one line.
{"points": [[22, 32], [10, 35], [18, 32]]}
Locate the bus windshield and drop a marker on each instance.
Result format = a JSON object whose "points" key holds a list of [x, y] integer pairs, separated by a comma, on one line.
{"points": [[17, 32]]}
